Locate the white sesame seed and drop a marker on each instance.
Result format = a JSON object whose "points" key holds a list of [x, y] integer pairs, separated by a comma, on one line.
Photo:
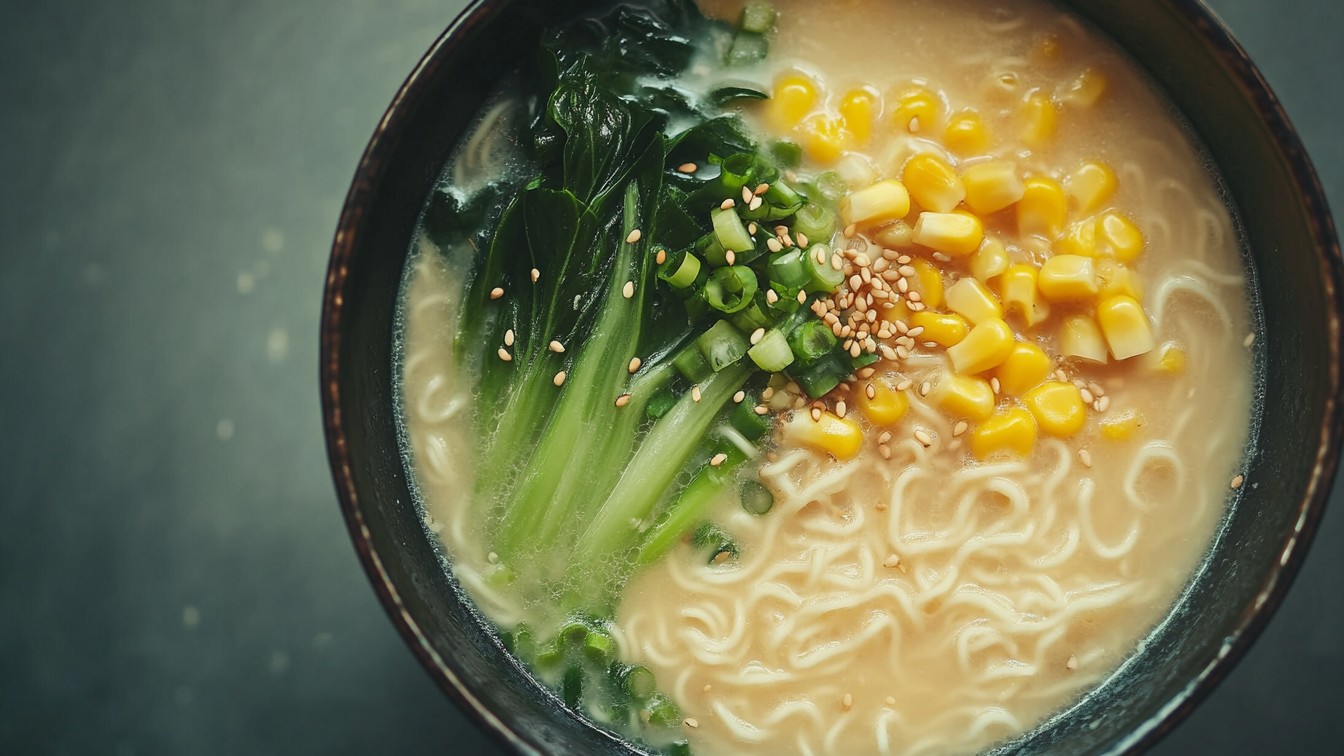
{"points": [[773, 245], [905, 385], [840, 409], [994, 385], [802, 297], [504, 355], [924, 388], [535, 275], [718, 459], [762, 189], [767, 394], [559, 378], [739, 396], [661, 257], [959, 428], [1237, 481], [751, 228], [1103, 404], [913, 332], [816, 414], [496, 293], [746, 194], [914, 296], [871, 391], [847, 701], [622, 400], [557, 347], [727, 204], [1096, 389], [1087, 396], [1085, 457], [890, 701], [508, 337], [1072, 663], [924, 438], [492, 557], [755, 203], [851, 230], [635, 363], [762, 409], [633, 237], [891, 561], [730, 256], [885, 451], [757, 335], [628, 290], [1250, 339], [708, 687], [695, 393], [802, 240], [686, 168], [691, 723], [771, 296]]}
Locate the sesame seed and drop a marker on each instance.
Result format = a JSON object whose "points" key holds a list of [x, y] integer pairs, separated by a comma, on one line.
{"points": [[891, 561], [633, 237], [847, 701], [695, 393], [924, 438], [914, 124], [1087, 396], [746, 194], [792, 388], [1085, 457], [906, 270], [771, 296], [508, 337], [762, 189], [686, 168], [802, 240], [1237, 481], [884, 438], [773, 245], [708, 687], [769, 392], [635, 363], [492, 557], [902, 285], [755, 203], [866, 372], [739, 396], [851, 230], [924, 388], [959, 428], [855, 350], [914, 296], [891, 701], [727, 204], [1096, 389], [871, 391], [1072, 663], [628, 290], [994, 384], [816, 414], [913, 332], [557, 347], [840, 409], [884, 450], [1250, 339], [791, 176], [622, 400], [757, 335], [802, 297], [1061, 376], [1103, 404], [496, 293], [762, 409], [661, 257], [535, 275], [904, 385], [691, 723], [904, 353], [730, 256], [751, 228], [504, 355], [559, 378], [718, 459]]}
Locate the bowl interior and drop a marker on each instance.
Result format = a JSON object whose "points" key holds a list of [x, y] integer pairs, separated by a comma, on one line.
{"points": [[1290, 243]]}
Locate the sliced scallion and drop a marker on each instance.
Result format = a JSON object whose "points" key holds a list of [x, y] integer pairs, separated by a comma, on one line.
{"points": [[772, 352], [722, 345], [756, 498], [729, 229], [731, 288]]}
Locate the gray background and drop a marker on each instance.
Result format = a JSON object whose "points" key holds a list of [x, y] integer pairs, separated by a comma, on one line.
{"points": [[174, 574]]}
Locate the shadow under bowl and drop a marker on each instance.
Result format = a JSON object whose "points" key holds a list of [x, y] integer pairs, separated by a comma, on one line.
{"points": [[1291, 244]]}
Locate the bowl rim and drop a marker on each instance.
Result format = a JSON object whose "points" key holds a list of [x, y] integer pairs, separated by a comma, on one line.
{"points": [[1206, 23]]}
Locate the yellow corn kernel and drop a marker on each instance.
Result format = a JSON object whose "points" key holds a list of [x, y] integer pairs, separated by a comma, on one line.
{"points": [[1020, 294], [928, 281], [987, 345], [990, 261], [1026, 368], [966, 133], [944, 329], [916, 109], [1080, 239], [1090, 185], [990, 187], [897, 312], [874, 204], [840, 437], [825, 139], [1039, 120], [1085, 89], [953, 234], [970, 299], [1122, 426], [1080, 337], [1171, 359], [933, 183], [887, 406], [1057, 407], [791, 101], [1125, 239], [1116, 280], [858, 110], [1010, 430], [1125, 326], [964, 396], [896, 235], [1042, 209], [1066, 278]]}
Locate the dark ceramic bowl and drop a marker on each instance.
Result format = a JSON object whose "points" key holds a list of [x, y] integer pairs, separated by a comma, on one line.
{"points": [[1291, 243]]}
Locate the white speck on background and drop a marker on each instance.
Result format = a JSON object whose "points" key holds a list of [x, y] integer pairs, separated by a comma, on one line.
{"points": [[191, 616], [224, 429], [246, 283], [273, 240], [277, 345], [279, 663]]}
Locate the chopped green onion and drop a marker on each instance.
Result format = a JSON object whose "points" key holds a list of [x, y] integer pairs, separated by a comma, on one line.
{"points": [[730, 231], [758, 16], [753, 316], [599, 645], [830, 186], [821, 377], [692, 365], [679, 748], [662, 712], [788, 269], [571, 686], [660, 404], [637, 681], [745, 420], [756, 498], [862, 361], [680, 269], [722, 345], [772, 353], [815, 222], [789, 154], [748, 48], [714, 253], [824, 277], [731, 288], [708, 537], [781, 194], [811, 341]]}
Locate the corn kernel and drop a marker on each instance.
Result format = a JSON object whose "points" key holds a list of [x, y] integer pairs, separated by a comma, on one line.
{"points": [[792, 100], [944, 329], [1085, 89], [990, 187], [1080, 239], [1090, 185], [1039, 120], [887, 406], [928, 281], [1026, 368], [883, 201], [1125, 326], [1171, 360], [954, 234], [970, 299], [1042, 209], [1122, 426], [897, 312], [964, 396], [986, 346], [1057, 407], [1125, 239], [840, 437], [1080, 337], [1010, 430], [989, 261], [966, 133], [858, 110], [1116, 280], [896, 235], [1066, 278], [825, 139], [933, 183], [1020, 294], [916, 109]]}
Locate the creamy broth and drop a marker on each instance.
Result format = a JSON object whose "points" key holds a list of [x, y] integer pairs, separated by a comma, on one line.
{"points": [[914, 599]]}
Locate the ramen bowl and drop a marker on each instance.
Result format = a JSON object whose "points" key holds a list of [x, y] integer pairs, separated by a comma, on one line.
{"points": [[1289, 241]]}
